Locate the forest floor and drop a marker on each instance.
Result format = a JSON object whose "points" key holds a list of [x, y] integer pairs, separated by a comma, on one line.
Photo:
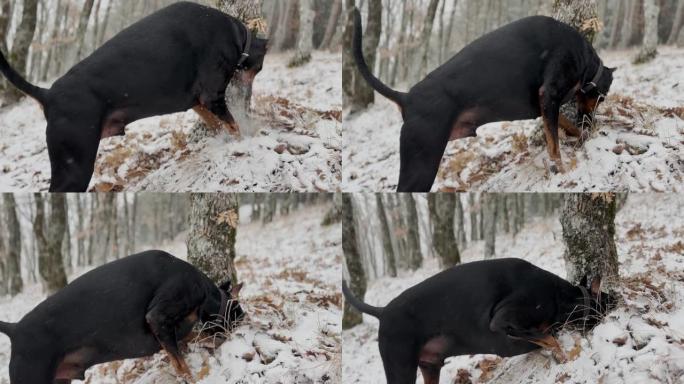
{"points": [[291, 269], [637, 143], [641, 341], [291, 142]]}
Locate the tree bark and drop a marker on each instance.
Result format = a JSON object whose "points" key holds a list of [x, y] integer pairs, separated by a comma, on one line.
{"points": [[489, 205], [13, 271], [83, 26], [386, 239], [352, 257], [473, 217], [305, 36], [420, 70], [588, 221], [362, 94], [442, 207], [50, 262], [211, 242], [649, 46]]}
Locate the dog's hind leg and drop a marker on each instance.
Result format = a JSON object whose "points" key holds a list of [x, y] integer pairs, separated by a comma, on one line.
{"points": [[421, 153], [399, 359], [31, 367], [431, 358], [72, 147]]}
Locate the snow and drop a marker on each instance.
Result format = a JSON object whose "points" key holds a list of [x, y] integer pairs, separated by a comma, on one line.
{"points": [[639, 342], [290, 143], [291, 269], [648, 133]]}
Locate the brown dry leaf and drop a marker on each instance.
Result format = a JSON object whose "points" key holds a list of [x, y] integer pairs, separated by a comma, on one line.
{"points": [[620, 341], [562, 377], [203, 372], [463, 377], [488, 366]]}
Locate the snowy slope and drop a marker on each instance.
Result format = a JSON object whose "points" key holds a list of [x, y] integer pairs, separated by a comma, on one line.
{"points": [[291, 142], [637, 145], [640, 342], [291, 270]]}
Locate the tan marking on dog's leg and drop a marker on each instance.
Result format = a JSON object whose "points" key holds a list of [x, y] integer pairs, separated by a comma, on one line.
{"points": [[215, 123], [569, 127], [549, 342]]}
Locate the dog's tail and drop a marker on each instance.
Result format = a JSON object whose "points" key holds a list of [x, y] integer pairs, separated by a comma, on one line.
{"points": [[18, 81], [358, 304], [397, 97], [7, 328]]}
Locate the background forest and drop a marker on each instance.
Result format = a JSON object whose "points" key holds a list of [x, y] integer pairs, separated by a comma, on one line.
{"points": [[394, 241], [641, 120], [292, 125]]}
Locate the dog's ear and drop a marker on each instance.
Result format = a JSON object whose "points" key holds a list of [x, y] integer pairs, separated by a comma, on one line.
{"points": [[612, 69], [235, 291], [596, 286]]}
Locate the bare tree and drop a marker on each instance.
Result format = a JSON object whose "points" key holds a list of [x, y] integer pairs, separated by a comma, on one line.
{"points": [[361, 94], [676, 23], [588, 222], [50, 262], [649, 46], [333, 22], [442, 208], [352, 257], [420, 69], [22, 42], [13, 271], [489, 205], [305, 37], [415, 256], [386, 239], [213, 227]]}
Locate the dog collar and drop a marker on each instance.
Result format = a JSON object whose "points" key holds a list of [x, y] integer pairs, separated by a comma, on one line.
{"points": [[224, 304], [245, 53], [592, 84], [587, 302]]}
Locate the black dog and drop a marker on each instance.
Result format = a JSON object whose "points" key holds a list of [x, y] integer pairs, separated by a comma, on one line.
{"points": [[524, 70], [178, 58], [504, 307], [129, 308]]}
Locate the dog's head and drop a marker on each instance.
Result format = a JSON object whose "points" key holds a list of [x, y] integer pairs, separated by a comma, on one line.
{"points": [[593, 94], [254, 62], [589, 305], [226, 312]]}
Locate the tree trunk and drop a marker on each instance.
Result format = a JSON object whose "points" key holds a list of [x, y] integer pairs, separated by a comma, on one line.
{"points": [[333, 21], [50, 263], [415, 257], [22, 42], [305, 36], [442, 208], [386, 239], [83, 26], [460, 223], [5, 18], [13, 245], [473, 217], [676, 23], [489, 204], [213, 227], [352, 257], [362, 94], [588, 221], [649, 46], [420, 69]]}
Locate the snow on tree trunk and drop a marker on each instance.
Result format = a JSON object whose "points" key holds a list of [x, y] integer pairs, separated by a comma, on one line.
{"points": [[386, 239], [13, 271], [588, 221], [213, 227], [649, 45], [305, 37], [22, 42], [489, 205], [352, 257], [442, 208], [50, 262]]}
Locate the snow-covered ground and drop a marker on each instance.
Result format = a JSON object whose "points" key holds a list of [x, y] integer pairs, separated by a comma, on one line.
{"points": [[641, 342], [637, 146], [291, 269], [292, 142]]}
